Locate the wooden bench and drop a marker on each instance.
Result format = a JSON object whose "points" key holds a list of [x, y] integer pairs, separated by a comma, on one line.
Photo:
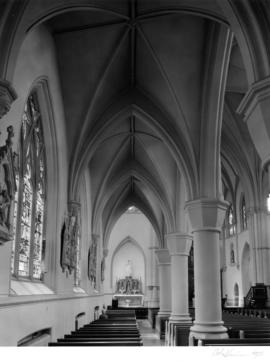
{"points": [[102, 335], [119, 329], [100, 343], [97, 339]]}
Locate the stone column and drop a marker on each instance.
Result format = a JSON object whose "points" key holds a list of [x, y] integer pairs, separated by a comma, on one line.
{"points": [[164, 267], [150, 298], [206, 218], [179, 248]]}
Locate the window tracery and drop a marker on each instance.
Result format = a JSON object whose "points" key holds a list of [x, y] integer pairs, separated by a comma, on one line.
{"points": [[230, 222], [243, 213], [30, 198]]}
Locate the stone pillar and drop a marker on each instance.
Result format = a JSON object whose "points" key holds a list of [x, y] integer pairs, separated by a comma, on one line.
{"points": [[179, 248], [164, 267], [152, 297], [206, 218]]}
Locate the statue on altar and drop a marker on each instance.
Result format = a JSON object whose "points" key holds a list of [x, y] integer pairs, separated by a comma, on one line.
{"points": [[128, 269]]}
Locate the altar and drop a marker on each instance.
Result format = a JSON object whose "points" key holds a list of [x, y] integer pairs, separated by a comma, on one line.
{"points": [[131, 300], [128, 292]]}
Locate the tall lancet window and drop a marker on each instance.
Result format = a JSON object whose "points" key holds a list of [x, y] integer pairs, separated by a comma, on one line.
{"points": [[29, 202], [230, 222], [243, 213]]}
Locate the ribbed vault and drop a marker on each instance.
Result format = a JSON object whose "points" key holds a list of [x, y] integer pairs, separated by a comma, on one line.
{"points": [[140, 83]]}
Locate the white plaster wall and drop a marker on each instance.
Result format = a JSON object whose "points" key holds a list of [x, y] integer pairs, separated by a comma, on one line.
{"points": [[19, 320]]}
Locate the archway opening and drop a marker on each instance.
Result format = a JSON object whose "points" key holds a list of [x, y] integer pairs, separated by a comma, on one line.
{"points": [[131, 259]]}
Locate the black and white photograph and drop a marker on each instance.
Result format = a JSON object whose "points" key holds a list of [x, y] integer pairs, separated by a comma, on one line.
{"points": [[135, 179]]}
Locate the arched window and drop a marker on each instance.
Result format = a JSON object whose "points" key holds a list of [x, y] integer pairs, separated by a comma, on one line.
{"points": [[230, 222], [243, 213], [30, 198]]}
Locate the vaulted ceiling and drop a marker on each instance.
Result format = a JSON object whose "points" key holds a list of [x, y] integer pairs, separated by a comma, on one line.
{"points": [[133, 76]]}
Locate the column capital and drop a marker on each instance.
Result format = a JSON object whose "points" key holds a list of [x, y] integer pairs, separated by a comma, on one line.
{"points": [[206, 214], [163, 256], [7, 96], [179, 243]]}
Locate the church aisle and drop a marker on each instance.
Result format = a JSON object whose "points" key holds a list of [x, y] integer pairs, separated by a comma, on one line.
{"points": [[149, 336]]}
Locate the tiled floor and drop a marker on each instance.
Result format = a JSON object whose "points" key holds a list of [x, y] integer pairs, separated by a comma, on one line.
{"points": [[149, 336]]}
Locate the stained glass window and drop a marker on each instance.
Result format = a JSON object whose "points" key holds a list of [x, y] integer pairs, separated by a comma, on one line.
{"points": [[29, 205], [243, 213], [230, 222], [77, 274]]}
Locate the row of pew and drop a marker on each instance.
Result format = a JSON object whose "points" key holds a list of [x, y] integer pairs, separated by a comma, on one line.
{"points": [[117, 328], [245, 328], [242, 331]]}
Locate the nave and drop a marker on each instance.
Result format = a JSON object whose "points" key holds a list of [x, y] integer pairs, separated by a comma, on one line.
{"points": [[134, 165]]}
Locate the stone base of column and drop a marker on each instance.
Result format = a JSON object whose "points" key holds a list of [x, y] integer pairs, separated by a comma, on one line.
{"points": [[209, 330], [161, 319], [184, 318], [164, 313]]}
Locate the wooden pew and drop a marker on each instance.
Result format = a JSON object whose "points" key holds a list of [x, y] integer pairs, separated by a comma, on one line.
{"points": [[99, 343], [104, 335], [98, 339], [121, 329]]}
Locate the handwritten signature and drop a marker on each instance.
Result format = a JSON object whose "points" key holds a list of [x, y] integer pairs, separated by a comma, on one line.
{"points": [[232, 352]]}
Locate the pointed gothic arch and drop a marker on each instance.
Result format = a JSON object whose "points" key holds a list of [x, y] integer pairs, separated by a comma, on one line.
{"points": [[124, 242]]}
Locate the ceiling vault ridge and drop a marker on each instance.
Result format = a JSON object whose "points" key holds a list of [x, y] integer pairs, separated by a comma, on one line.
{"points": [[133, 41], [97, 215], [139, 103], [117, 154], [156, 167], [88, 27], [141, 204], [100, 85], [63, 8], [166, 79], [84, 152], [116, 187], [193, 11]]}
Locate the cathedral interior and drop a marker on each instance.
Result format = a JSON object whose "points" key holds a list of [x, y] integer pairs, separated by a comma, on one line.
{"points": [[135, 168]]}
